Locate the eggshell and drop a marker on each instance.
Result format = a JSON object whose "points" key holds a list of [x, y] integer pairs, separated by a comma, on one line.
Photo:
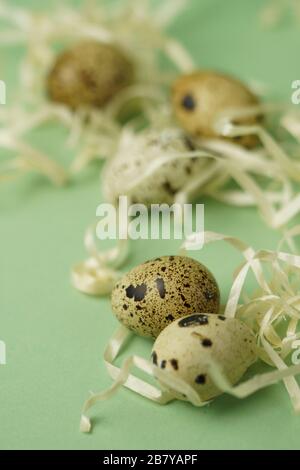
{"points": [[187, 345], [199, 98], [133, 158], [157, 292], [89, 74]]}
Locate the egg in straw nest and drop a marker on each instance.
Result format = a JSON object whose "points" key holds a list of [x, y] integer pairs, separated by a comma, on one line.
{"points": [[198, 355], [82, 70]]}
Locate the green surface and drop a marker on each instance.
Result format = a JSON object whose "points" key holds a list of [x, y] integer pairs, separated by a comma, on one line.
{"points": [[55, 336]]}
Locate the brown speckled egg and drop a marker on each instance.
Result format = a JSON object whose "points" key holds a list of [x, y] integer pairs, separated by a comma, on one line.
{"points": [[155, 293], [186, 347], [199, 98], [89, 74]]}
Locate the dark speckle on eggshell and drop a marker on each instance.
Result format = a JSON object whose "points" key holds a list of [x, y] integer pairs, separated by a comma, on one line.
{"points": [[200, 379], [154, 358], [174, 364], [196, 319], [137, 293], [160, 284], [209, 295], [169, 317], [168, 187], [188, 102]]}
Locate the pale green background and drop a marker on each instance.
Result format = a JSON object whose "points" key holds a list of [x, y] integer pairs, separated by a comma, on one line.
{"points": [[55, 336]]}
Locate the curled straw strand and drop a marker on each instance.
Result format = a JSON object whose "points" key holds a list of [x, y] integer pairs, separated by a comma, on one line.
{"points": [[99, 273]]}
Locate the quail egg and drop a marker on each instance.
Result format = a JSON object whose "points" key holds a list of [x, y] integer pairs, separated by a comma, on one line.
{"points": [[132, 161], [199, 98], [89, 74], [155, 293], [186, 347]]}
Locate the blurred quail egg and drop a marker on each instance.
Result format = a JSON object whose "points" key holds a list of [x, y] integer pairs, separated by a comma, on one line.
{"points": [[199, 98], [89, 74], [132, 160]]}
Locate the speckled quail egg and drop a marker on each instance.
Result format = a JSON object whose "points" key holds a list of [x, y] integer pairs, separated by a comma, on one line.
{"points": [[155, 293], [187, 345], [126, 172], [89, 74], [199, 98]]}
